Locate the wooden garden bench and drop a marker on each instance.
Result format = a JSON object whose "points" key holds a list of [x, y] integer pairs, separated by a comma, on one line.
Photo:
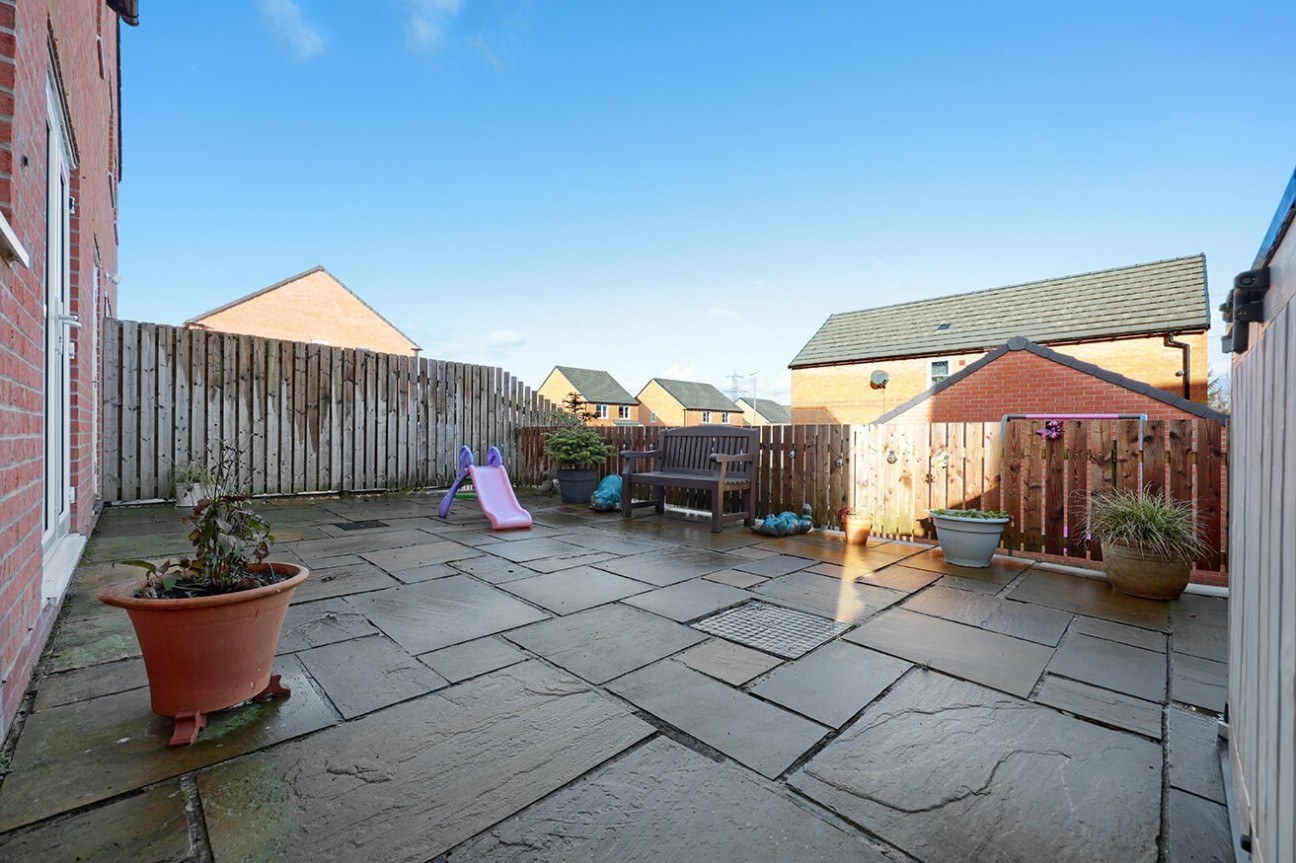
{"points": [[707, 458]]}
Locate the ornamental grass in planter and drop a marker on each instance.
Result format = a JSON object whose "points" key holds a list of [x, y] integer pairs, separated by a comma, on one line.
{"points": [[1149, 542], [208, 623]]}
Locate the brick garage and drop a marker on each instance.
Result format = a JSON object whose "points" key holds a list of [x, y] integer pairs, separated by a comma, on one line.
{"points": [[1025, 378], [79, 40]]}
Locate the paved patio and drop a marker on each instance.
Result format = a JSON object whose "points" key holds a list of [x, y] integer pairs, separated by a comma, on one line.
{"points": [[598, 689]]}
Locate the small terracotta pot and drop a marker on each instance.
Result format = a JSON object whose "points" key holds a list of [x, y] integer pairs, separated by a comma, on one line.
{"points": [[208, 652], [857, 529], [1131, 571]]}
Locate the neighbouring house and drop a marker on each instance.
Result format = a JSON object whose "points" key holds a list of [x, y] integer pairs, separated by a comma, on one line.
{"points": [[1022, 377], [1146, 322], [610, 402], [309, 307], [764, 412], [664, 402], [60, 162]]}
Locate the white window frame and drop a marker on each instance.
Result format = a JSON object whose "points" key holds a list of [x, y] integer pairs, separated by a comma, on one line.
{"points": [[623, 412], [601, 411], [652, 416], [706, 416], [724, 417], [949, 369]]}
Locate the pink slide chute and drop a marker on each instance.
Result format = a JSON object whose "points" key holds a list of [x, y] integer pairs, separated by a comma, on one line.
{"points": [[496, 498]]}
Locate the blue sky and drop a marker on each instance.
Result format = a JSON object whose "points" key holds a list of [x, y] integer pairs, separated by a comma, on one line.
{"points": [[686, 189]]}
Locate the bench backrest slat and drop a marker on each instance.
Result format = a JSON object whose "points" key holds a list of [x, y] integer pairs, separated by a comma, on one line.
{"points": [[689, 449]]}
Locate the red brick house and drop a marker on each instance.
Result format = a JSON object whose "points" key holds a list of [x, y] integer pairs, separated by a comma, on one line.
{"points": [[60, 162], [1022, 377]]}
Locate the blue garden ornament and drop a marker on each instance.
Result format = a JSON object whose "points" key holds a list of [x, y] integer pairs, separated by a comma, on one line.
{"points": [[607, 496], [785, 523]]}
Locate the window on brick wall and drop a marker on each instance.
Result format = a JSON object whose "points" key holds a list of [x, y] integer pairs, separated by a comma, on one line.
{"points": [[623, 412], [706, 416], [602, 411], [724, 417], [938, 371], [652, 416]]}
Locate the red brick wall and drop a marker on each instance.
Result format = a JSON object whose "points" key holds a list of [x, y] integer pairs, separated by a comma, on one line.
{"points": [[1023, 382], [84, 36]]}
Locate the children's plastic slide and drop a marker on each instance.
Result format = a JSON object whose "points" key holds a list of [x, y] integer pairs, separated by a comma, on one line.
{"points": [[494, 491]]}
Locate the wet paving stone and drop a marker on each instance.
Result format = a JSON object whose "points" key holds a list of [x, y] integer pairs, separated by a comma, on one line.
{"points": [[312, 550], [523, 550], [1198, 830], [412, 557], [612, 542], [998, 661], [1102, 705], [496, 570], [605, 642], [435, 614], [689, 600], [1192, 753], [123, 746], [664, 568], [1200, 626], [315, 624], [896, 576], [645, 807], [367, 674], [1031, 622], [574, 590], [104, 634], [1092, 597], [1001, 570], [727, 661], [839, 599], [766, 738], [410, 782], [148, 826], [1141, 673], [833, 683], [1200, 682], [734, 578], [771, 567], [1132, 635], [949, 771], [473, 658], [85, 683], [557, 564], [357, 576]]}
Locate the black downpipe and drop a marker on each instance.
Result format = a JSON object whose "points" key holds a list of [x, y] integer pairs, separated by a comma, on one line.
{"points": [[1171, 342]]}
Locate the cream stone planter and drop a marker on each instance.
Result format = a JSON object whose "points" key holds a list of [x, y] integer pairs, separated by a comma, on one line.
{"points": [[968, 541]]}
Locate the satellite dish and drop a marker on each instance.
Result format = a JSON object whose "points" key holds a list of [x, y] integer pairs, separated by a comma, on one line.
{"points": [[878, 380]]}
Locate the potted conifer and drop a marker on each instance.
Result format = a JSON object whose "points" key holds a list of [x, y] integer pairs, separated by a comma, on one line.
{"points": [[576, 450]]}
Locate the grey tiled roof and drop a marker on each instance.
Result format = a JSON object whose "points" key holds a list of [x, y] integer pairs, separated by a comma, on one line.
{"points": [[597, 387], [772, 411], [697, 397], [1145, 298], [1018, 343]]}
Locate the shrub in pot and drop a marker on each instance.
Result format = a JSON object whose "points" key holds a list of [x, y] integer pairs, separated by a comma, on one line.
{"points": [[1149, 542], [856, 525], [192, 484], [578, 451], [969, 537], [208, 623]]}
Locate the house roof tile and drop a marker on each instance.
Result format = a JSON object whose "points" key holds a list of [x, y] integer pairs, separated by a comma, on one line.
{"points": [[772, 411], [696, 396], [597, 387]]}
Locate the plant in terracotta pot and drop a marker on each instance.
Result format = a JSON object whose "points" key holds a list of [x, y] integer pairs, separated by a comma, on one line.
{"points": [[208, 623], [577, 450], [193, 483], [969, 537], [855, 524], [1149, 542]]}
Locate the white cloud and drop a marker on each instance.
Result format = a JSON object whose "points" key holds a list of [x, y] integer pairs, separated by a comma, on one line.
{"points": [[288, 24], [426, 21], [678, 372], [505, 339]]}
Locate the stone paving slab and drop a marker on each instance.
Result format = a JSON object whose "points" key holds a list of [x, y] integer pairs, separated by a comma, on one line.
{"points": [[998, 661], [833, 683], [1102, 705], [1198, 830], [1192, 753], [613, 542], [148, 826], [354, 576], [950, 771], [1132, 635], [605, 642], [1141, 673], [1020, 620], [435, 614], [839, 599], [84, 683], [689, 600], [645, 807], [774, 566], [411, 782], [1001, 570], [576, 589], [496, 570], [1092, 597], [766, 738], [1200, 682], [524, 550], [412, 557], [896, 577], [123, 746], [357, 543], [727, 661], [314, 624], [104, 634], [664, 568], [556, 564], [1200, 626], [734, 578], [367, 674], [857, 558], [473, 658]]}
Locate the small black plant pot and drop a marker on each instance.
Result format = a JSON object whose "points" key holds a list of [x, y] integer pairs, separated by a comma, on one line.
{"points": [[577, 486]]}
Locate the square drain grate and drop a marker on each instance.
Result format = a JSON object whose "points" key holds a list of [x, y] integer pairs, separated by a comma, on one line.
{"points": [[360, 525], [772, 628]]}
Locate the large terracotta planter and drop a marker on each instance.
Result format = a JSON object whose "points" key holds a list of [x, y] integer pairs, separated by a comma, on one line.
{"points": [[968, 541], [857, 529], [1131, 571], [209, 652]]}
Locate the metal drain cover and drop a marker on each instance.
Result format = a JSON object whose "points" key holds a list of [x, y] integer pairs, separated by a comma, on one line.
{"points": [[360, 525], [772, 628]]}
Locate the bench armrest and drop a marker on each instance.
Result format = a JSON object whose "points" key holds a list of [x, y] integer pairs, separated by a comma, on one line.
{"points": [[628, 458], [723, 461]]}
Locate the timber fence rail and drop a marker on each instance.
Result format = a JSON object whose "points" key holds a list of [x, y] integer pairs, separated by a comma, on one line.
{"points": [[296, 417]]}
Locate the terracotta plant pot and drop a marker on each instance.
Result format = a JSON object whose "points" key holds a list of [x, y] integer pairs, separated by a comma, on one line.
{"points": [[857, 529], [1137, 574], [208, 652]]}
